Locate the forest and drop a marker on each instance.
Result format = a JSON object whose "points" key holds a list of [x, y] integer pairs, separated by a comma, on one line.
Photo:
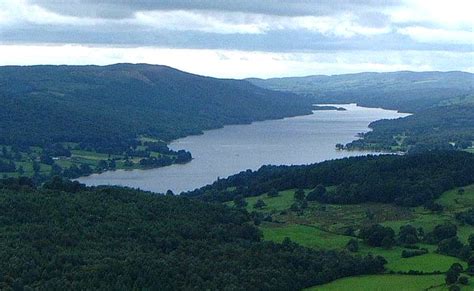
{"points": [[442, 128], [415, 210], [63, 235], [110, 106], [77, 120], [409, 180], [405, 91]]}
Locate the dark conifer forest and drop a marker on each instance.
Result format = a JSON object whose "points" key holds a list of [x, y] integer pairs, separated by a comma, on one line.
{"points": [[409, 180], [67, 236]]}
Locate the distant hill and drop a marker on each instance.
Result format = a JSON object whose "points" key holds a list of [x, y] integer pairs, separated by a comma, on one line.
{"points": [[107, 104], [441, 127], [405, 91]]}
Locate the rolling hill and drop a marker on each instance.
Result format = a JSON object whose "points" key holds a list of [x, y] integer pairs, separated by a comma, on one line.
{"points": [[107, 104], [405, 91]]}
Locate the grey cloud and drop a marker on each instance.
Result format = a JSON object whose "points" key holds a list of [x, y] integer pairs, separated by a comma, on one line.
{"points": [[126, 8], [272, 41]]}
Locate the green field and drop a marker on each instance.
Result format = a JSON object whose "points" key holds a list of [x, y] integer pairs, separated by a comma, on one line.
{"points": [[389, 283], [308, 236], [24, 160], [273, 204], [430, 262], [322, 226]]}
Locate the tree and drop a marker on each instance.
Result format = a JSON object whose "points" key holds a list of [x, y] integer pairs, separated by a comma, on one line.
{"points": [[470, 266], [440, 232], [46, 159], [464, 253], [353, 245], [450, 246], [102, 165], [377, 235], [259, 204], [36, 166], [299, 195], [239, 201], [112, 165], [316, 193], [388, 242], [463, 280], [56, 170], [169, 193], [370, 215], [272, 193], [471, 241], [408, 235], [421, 232], [4, 152], [295, 207], [461, 191], [451, 277]]}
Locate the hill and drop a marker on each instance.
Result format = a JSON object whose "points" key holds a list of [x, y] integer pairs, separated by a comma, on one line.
{"points": [[77, 120], [104, 104], [415, 210], [66, 236], [408, 180], [405, 91], [440, 127]]}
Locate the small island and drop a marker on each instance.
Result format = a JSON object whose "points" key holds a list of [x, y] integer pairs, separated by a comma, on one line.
{"points": [[328, 107]]}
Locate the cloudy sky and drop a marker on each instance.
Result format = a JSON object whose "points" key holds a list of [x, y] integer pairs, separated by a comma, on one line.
{"points": [[242, 38]]}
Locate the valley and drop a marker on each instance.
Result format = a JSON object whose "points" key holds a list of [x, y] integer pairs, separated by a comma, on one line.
{"points": [[361, 196], [236, 145]]}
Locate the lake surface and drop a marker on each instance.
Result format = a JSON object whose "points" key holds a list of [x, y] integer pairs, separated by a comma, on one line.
{"points": [[229, 150]]}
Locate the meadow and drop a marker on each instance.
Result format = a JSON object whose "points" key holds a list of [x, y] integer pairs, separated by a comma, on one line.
{"points": [[389, 283], [325, 226]]}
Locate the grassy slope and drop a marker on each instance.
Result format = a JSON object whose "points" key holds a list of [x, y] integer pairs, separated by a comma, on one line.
{"points": [[389, 282], [321, 227]]}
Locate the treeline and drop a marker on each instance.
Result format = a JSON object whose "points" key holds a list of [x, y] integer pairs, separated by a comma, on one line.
{"points": [[408, 180], [438, 128], [150, 154], [404, 91], [68, 236]]}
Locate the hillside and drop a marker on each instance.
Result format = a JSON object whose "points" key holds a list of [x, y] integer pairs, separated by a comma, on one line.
{"points": [[65, 236], [405, 91], [440, 127], [415, 210], [408, 180], [44, 104], [78, 120]]}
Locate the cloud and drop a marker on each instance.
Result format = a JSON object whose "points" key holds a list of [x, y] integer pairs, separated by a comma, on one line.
{"points": [[451, 15], [127, 8], [332, 31], [430, 35], [239, 64]]}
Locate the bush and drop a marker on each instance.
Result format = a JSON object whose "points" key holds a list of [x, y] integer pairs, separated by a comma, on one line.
{"points": [[377, 236], [272, 193], [316, 193], [353, 245], [259, 204], [463, 280], [441, 232], [413, 253]]}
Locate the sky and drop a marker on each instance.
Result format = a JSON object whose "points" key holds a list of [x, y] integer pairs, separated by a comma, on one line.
{"points": [[242, 38]]}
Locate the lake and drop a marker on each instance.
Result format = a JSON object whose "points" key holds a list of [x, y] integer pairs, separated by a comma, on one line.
{"points": [[234, 148]]}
